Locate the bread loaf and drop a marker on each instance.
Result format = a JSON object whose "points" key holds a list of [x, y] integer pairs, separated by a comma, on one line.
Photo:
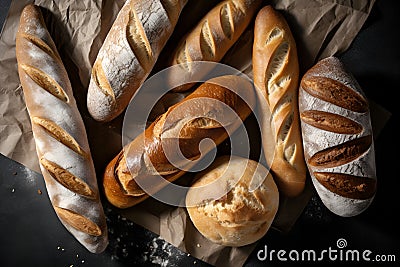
{"points": [[337, 136], [225, 208], [59, 133], [212, 37], [204, 114], [129, 53], [276, 76]]}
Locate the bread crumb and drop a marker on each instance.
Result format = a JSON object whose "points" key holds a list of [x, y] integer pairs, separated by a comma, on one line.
{"points": [[198, 245], [39, 191], [12, 190]]}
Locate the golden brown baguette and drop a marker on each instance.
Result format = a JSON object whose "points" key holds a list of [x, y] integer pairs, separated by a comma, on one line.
{"points": [[212, 37], [190, 121], [276, 76], [129, 53], [59, 133], [339, 152]]}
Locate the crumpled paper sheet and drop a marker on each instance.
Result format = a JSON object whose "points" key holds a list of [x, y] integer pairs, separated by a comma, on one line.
{"points": [[321, 28]]}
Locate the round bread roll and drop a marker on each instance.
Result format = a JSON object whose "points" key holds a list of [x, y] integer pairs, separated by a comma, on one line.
{"points": [[233, 202]]}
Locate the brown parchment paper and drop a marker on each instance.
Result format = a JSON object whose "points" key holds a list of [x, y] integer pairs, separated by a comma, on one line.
{"points": [[321, 28]]}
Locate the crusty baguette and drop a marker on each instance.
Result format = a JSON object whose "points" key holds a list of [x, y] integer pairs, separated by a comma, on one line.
{"points": [[337, 137], [195, 118], [212, 37], [276, 76], [59, 133], [129, 53]]}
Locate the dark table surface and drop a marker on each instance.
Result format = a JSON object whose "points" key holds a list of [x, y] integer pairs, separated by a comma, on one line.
{"points": [[31, 235]]}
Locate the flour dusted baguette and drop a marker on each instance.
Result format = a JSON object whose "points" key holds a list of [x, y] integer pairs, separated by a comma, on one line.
{"points": [[276, 76], [202, 114], [129, 53], [212, 37], [59, 133], [337, 136]]}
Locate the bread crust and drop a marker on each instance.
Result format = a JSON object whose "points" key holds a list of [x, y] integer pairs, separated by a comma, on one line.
{"points": [[59, 133], [243, 214], [341, 164], [189, 121], [129, 53], [213, 36], [276, 76]]}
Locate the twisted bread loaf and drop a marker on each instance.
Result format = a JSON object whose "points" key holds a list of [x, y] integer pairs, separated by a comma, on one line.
{"points": [[129, 53], [59, 133], [214, 34], [337, 137], [276, 76], [205, 113]]}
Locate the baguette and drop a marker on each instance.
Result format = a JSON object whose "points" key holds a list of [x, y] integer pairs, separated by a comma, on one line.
{"points": [[337, 136], [212, 37], [190, 121], [276, 76], [59, 133], [129, 53]]}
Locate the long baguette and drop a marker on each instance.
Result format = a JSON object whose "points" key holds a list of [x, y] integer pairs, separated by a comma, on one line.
{"points": [[212, 37], [337, 137], [59, 133], [129, 53], [276, 76], [190, 121]]}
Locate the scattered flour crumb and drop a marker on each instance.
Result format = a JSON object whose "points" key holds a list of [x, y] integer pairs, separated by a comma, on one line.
{"points": [[161, 251]]}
